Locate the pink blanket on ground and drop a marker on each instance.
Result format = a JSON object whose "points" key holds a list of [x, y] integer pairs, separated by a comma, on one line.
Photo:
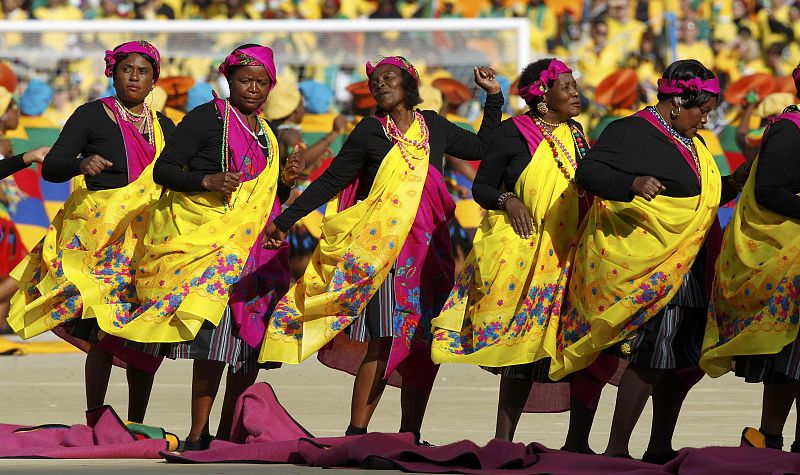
{"points": [[265, 433], [104, 436]]}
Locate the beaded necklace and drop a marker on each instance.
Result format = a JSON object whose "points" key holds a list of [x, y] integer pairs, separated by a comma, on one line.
{"points": [[685, 141], [133, 117], [225, 162], [404, 143], [555, 144]]}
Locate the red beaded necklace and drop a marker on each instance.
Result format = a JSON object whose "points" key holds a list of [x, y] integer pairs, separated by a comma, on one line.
{"points": [[555, 144], [403, 143]]}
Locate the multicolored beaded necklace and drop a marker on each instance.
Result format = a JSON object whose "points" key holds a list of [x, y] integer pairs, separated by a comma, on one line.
{"points": [[555, 144], [404, 143], [225, 162], [685, 141], [133, 117]]}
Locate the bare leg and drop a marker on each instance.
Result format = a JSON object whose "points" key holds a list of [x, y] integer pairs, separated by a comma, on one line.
{"points": [[206, 376], [413, 402], [776, 404], [668, 396], [140, 384], [237, 383], [635, 388], [7, 289], [369, 384], [513, 395], [97, 371]]}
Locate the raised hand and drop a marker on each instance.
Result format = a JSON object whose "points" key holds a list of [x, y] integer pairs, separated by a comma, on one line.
{"points": [[273, 237], [226, 182], [647, 187], [36, 155], [486, 79], [94, 165], [520, 217], [294, 167]]}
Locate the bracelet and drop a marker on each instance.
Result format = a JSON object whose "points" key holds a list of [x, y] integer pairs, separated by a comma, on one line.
{"points": [[501, 201]]}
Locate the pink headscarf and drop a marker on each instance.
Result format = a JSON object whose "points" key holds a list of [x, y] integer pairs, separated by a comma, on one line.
{"points": [[540, 86], [251, 56], [398, 61], [680, 86], [141, 47]]}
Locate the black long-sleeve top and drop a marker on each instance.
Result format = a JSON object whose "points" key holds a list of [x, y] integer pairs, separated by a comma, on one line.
{"points": [[194, 150], [11, 165], [632, 147], [505, 161], [88, 131], [367, 145], [778, 172]]}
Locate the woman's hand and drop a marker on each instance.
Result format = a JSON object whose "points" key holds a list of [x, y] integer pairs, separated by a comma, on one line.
{"points": [[294, 168], [94, 165], [486, 79], [647, 187], [36, 155], [520, 217], [739, 176], [225, 183], [273, 237], [339, 124]]}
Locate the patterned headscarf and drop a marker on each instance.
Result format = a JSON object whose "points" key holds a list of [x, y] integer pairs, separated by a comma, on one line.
{"points": [[142, 47], [398, 61], [251, 56], [541, 85]]}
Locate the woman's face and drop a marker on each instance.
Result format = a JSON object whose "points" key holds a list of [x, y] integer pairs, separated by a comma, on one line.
{"points": [[249, 88], [564, 98], [386, 86], [689, 121], [133, 79]]}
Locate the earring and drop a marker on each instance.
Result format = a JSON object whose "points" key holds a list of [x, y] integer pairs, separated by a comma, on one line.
{"points": [[673, 114], [542, 108]]}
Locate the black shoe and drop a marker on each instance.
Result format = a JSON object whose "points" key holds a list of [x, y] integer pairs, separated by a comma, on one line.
{"points": [[795, 447], [621, 455], [659, 458], [196, 445]]}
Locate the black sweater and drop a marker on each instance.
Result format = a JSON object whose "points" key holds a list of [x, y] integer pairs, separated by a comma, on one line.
{"points": [[367, 145], [632, 147], [11, 165], [505, 161], [778, 173], [195, 150], [90, 130]]}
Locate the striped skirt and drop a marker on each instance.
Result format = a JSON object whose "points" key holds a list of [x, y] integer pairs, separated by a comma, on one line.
{"points": [[780, 368], [375, 321], [538, 371], [221, 343], [673, 337]]}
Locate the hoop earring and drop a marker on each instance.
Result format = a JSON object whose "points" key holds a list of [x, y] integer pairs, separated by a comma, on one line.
{"points": [[674, 114], [542, 108]]}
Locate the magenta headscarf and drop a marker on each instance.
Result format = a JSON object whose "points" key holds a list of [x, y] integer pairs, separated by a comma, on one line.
{"points": [[796, 77], [398, 61], [251, 56], [141, 47], [674, 87], [540, 86]]}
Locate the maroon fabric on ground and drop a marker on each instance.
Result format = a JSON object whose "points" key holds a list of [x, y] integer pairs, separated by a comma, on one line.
{"points": [[103, 437], [259, 408]]}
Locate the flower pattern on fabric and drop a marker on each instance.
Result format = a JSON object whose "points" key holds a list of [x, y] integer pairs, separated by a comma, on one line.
{"points": [[755, 300]]}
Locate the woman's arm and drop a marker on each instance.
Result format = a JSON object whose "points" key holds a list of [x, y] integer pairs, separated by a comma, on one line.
{"points": [[188, 138], [778, 173], [341, 172], [467, 145], [488, 184], [62, 163]]}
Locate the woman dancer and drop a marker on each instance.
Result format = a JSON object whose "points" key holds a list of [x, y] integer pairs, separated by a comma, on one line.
{"points": [[508, 297], [116, 140], [374, 271], [203, 284], [754, 304], [639, 280]]}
